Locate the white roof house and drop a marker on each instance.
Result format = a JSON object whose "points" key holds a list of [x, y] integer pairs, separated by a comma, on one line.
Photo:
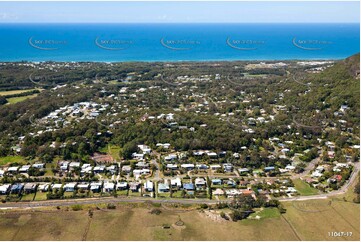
{"points": [[122, 185], [44, 187], [74, 164], [172, 166], [148, 185], [38, 165], [24, 168], [145, 149], [170, 157], [177, 182], [70, 186], [83, 186], [187, 166], [109, 186], [56, 186], [200, 181], [215, 167], [4, 188], [13, 169]]}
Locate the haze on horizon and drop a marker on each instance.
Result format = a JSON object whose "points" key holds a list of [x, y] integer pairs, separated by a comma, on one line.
{"points": [[180, 12]]}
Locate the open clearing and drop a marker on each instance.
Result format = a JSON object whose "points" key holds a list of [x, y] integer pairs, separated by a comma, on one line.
{"points": [[13, 100], [11, 159], [304, 220], [12, 92], [304, 189]]}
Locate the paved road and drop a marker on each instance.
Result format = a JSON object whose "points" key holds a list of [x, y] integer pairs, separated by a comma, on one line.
{"points": [[310, 166]]}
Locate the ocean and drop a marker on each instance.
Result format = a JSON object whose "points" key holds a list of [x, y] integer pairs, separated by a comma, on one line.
{"points": [[177, 42]]}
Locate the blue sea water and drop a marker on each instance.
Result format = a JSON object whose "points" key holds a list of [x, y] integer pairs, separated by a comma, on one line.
{"points": [[177, 42]]}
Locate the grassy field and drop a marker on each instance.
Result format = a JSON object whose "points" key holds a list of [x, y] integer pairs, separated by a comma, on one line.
{"points": [[314, 219], [301, 222], [112, 150], [11, 159], [13, 100], [304, 189], [12, 92], [266, 213]]}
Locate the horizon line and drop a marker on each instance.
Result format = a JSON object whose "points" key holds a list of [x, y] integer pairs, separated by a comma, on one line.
{"points": [[180, 23]]}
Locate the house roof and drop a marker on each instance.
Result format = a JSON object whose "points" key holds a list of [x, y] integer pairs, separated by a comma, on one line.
{"points": [[188, 186]]}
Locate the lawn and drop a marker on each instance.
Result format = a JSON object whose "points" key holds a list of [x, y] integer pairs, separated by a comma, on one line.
{"points": [[48, 170], [304, 189], [28, 197], [40, 196], [266, 213], [122, 193], [177, 194], [134, 194], [11, 159]]}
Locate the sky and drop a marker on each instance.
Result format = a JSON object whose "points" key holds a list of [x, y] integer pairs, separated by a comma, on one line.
{"points": [[180, 12]]}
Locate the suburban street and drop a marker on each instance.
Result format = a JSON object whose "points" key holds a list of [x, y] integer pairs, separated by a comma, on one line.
{"points": [[69, 202]]}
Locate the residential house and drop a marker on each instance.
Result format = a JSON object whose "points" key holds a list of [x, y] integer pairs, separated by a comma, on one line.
{"points": [[188, 186], [243, 171], [38, 165], [4, 189], [172, 167], [83, 186], [122, 186], [227, 167], [108, 187], [200, 182], [30, 187], [99, 169], [112, 169], [16, 188], [73, 165], [215, 167], [126, 169], [134, 186], [69, 187], [170, 157], [176, 182], [64, 165], [188, 166], [269, 168], [56, 186], [149, 186], [202, 167], [163, 187], [13, 169], [24, 169], [95, 187], [216, 182]]}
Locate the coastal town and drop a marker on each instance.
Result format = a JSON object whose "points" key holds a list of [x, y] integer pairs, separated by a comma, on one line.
{"points": [[294, 163]]}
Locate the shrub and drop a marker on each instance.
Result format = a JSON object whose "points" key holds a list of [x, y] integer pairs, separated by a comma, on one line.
{"points": [[111, 206], [156, 211], [204, 206], [77, 207]]}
